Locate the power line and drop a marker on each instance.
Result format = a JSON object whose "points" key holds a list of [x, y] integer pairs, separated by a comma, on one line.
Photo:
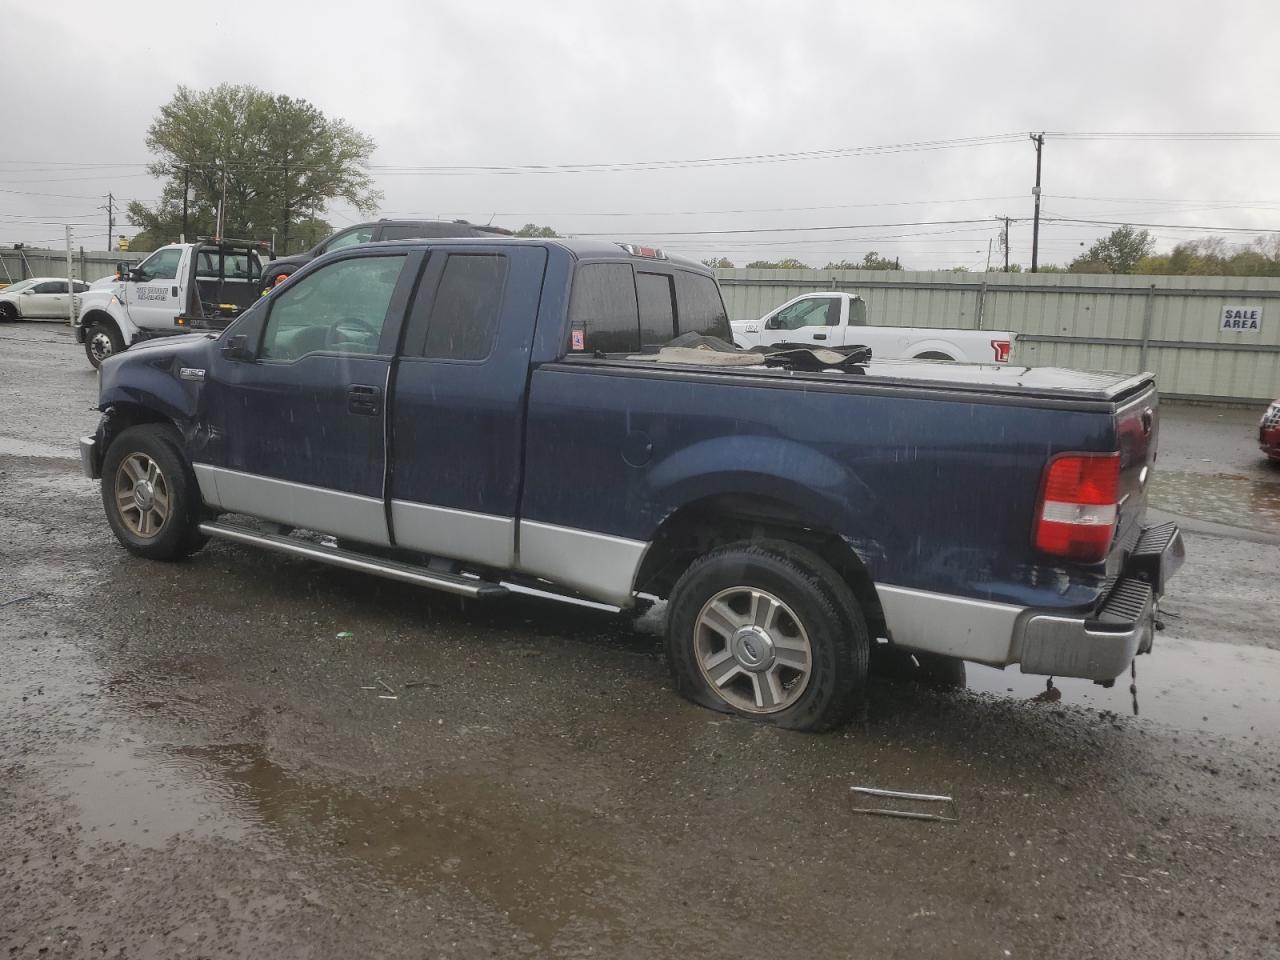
{"points": [[1160, 226]]}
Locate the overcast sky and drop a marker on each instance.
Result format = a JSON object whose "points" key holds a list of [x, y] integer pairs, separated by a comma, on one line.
{"points": [[567, 83]]}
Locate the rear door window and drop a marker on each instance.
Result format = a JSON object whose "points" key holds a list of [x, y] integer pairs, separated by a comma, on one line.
{"points": [[463, 323], [603, 314], [699, 308], [657, 296]]}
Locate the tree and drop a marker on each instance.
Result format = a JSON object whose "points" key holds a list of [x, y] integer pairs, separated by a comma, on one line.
{"points": [[713, 262], [869, 261], [280, 159], [790, 263], [1211, 256], [533, 230], [1118, 252]]}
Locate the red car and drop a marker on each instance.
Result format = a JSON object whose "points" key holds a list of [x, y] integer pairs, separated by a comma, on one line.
{"points": [[1269, 432]]}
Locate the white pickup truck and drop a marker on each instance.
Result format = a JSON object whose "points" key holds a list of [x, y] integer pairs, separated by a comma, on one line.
{"points": [[179, 288], [840, 320]]}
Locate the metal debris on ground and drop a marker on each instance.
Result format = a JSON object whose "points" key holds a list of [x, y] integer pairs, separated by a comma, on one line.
{"points": [[343, 635], [908, 814], [386, 686], [15, 600], [410, 684]]}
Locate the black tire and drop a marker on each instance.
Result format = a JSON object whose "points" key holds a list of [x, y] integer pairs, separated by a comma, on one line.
{"points": [[8, 312], [815, 603], [101, 340], [177, 535]]}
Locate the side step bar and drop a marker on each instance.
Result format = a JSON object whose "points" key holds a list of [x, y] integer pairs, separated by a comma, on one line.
{"points": [[349, 560]]}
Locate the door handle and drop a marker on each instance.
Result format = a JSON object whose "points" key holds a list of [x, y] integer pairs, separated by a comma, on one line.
{"points": [[364, 401], [819, 336]]}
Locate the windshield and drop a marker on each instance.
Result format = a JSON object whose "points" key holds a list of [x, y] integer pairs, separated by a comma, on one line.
{"points": [[18, 287]]}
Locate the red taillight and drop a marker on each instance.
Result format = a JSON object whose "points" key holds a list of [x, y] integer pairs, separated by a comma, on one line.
{"points": [[1001, 348], [1078, 507]]}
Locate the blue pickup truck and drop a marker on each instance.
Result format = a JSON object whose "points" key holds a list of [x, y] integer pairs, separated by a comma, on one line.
{"points": [[490, 415]]}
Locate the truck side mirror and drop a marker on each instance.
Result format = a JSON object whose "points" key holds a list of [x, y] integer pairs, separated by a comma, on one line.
{"points": [[237, 348], [122, 269]]}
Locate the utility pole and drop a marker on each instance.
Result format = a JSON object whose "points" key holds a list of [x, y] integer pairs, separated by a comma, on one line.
{"points": [[71, 287], [1038, 140], [186, 193], [1006, 244], [111, 218]]}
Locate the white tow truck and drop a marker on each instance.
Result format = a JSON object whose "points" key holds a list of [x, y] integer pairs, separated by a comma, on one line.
{"points": [[840, 320], [180, 288]]}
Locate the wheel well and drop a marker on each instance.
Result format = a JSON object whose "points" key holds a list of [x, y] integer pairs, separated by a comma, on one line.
{"points": [[933, 355], [95, 317], [119, 417], [706, 524]]}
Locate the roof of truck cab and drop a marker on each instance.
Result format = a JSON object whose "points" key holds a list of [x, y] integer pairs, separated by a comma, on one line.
{"points": [[582, 249]]}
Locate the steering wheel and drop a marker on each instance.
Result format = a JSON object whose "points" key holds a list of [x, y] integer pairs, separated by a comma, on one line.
{"points": [[362, 330]]}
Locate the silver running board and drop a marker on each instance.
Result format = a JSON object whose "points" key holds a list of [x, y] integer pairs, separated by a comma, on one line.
{"points": [[349, 560]]}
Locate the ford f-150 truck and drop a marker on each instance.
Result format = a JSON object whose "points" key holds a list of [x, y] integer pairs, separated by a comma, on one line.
{"points": [[487, 415], [840, 319], [180, 287]]}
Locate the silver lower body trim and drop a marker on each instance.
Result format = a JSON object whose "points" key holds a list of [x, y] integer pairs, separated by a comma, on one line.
{"points": [[599, 565], [457, 534], [294, 504], [977, 630]]}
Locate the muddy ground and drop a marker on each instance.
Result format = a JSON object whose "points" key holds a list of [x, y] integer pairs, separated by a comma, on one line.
{"points": [[199, 760]]}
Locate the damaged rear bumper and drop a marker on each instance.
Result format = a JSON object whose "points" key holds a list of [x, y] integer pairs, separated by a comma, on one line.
{"points": [[1101, 646]]}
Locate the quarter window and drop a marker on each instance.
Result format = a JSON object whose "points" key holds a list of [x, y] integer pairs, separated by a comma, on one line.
{"points": [[603, 314], [465, 311], [340, 308], [700, 308], [657, 295]]}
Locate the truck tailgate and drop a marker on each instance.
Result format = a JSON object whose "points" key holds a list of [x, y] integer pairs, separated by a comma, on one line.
{"points": [[1137, 433]]}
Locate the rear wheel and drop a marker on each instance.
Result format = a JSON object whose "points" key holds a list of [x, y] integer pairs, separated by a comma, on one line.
{"points": [[150, 494], [934, 355], [768, 630], [8, 312], [102, 340]]}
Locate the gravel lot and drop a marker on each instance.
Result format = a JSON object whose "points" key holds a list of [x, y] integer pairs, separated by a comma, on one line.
{"points": [[192, 764]]}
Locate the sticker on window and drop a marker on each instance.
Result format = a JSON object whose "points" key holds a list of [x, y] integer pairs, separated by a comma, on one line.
{"points": [[579, 340]]}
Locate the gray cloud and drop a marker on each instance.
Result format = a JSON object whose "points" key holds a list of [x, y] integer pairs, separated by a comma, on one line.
{"points": [[520, 83]]}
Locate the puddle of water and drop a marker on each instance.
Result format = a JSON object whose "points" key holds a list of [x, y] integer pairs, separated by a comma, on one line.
{"points": [[464, 829], [26, 448], [1222, 498], [1192, 685], [128, 793]]}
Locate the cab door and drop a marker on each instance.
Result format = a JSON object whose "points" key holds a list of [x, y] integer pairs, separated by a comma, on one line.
{"points": [[811, 321], [152, 298], [458, 413], [297, 412]]}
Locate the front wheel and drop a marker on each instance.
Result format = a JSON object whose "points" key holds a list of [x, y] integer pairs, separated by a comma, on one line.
{"points": [[8, 312], [150, 494], [768, 630], [101, 341]]}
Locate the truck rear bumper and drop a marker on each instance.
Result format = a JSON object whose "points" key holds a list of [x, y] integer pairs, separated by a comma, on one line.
{"points": [[1101, 646], [1098, 644]]}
